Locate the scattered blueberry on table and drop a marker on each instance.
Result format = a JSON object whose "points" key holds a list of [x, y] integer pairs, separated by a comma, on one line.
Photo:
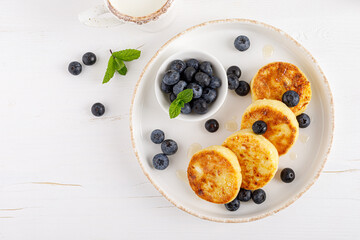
{"points": [[287, 175], [243, 89], [212, 125], [244, 195], [98, 109], [233, 82], [89, 58], [259, 127], [234, 70], [242, 43], [290, 98], [303, 120], [259, 196], [233, 205], [75, 68], [169, 147]]}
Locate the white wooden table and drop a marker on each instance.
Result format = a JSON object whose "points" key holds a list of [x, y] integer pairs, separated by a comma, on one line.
{"points": [[65, 174]]}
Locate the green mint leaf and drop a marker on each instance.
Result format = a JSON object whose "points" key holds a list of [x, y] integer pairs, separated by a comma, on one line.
{"points": [[127, 54], [186, 95], [123, 70], [118, 64], [110, 70], [175, 108]]}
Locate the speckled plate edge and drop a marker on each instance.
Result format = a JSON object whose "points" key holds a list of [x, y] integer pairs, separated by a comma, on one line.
{"points": [[304, 189]]}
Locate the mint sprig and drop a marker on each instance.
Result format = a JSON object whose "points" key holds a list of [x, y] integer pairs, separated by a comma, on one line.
{"points": [[116, 62], [183, 97]]}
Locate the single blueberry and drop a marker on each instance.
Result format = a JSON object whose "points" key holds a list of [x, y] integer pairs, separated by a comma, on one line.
{"points": [[243, 88], [233, 205], [197, 90], [244, 195], [209, 95], [215, 82], [171, 77], [206, 68], [192, 63], [75, 68], [179, 87], [259, 127], [212, 125], [89, 58], [189, 74], [160, 161], [98, 109], [178, 66], [166, 88], [200, 106], [242, 43], [287, 175], [202, 79], [234, 70], [258, 196], [303, 120], [157, 136], [172, 97], [233, 82], [290, 98], [186, 109], [169, 147]]}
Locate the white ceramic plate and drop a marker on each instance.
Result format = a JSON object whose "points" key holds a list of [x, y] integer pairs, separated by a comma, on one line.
{"points": [[216, 37]]}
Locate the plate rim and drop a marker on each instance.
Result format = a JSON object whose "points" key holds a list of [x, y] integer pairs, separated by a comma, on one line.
{"points": [[304, 189]]}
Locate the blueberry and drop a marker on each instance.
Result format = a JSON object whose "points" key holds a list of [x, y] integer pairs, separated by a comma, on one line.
{"points": [[186, 109], [233, 82], [243, 88], [244, 195], [212, 125], [189, 74], [172, 97], [259, 127], [287, 175], [303, 120], [160, 161], [234, 70], [209, 95], [179, 87], [290, 98], [166, 88], [202, 79], [206, 68], [98, 109], [171, 77], [200, 106], [75, 68], [89, 58], [215, 82], [157, 136], [197, 90], [258, 196], [242, 43], [178, 66], [192, 63], [233, 205], [169, 147]]}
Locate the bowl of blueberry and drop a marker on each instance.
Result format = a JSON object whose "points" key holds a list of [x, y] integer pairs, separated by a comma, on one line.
{"points": [[196, 70]]}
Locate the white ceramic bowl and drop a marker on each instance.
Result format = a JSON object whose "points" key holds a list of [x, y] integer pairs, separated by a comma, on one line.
{"points": [[218, 70]]}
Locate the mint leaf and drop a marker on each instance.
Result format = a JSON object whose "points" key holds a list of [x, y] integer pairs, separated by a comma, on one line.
{"points": [[127, 54], [123, 70], [175, 108], [118, 64], [110, 70], [185, 95]]}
